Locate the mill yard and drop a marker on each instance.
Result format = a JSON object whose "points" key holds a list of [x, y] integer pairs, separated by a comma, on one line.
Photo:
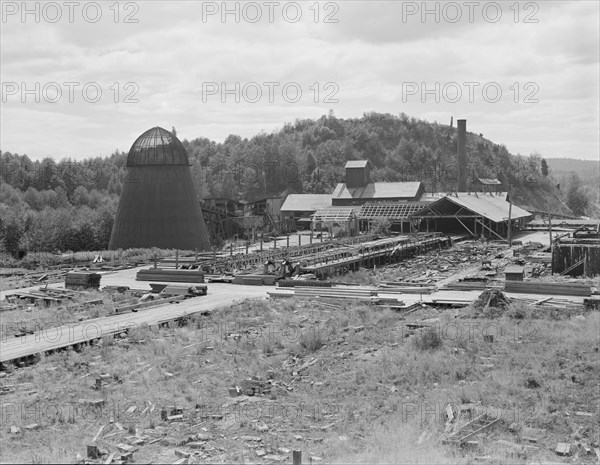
{"points": [[424, 347]]}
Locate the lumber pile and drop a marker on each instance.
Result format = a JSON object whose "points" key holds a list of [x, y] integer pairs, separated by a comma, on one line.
{"points": [[533, 287], [255, 279], [186, 291], [297, 283], [365, 294], [540, 257], [82, 279], [43, 294], [160, 274]]}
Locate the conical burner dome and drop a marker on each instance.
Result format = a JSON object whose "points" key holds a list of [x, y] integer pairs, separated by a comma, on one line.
{"points": [[158, 205]]}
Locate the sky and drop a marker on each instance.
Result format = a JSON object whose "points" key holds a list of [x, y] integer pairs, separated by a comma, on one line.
{"points": [[83, 79]]}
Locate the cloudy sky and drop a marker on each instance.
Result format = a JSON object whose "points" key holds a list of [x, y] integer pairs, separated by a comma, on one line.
{"points": [[82, 79]]}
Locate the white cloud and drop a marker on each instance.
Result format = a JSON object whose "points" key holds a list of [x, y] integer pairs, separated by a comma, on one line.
{"points": [[368, 54]]}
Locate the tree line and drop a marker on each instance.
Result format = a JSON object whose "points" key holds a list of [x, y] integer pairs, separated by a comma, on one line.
{"points": [[50, 205]]}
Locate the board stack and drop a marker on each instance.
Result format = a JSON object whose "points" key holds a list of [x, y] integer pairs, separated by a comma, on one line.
{"points": [[82, 280], [177, 276]]}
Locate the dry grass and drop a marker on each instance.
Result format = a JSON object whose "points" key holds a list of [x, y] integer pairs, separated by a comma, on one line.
{"points": [[370, 385]]}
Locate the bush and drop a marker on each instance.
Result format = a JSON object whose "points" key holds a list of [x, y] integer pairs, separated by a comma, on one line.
{"points": [[427, 340], [311, 340]]}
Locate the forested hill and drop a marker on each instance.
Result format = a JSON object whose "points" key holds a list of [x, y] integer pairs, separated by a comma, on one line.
{"points": [[68, 205], [309, 156]]}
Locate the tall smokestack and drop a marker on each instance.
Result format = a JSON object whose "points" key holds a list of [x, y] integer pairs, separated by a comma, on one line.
{"points": [[461, 155]]}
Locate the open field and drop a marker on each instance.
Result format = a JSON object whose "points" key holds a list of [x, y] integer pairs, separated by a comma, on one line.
{"points": [[249, 380], [342, 384]]}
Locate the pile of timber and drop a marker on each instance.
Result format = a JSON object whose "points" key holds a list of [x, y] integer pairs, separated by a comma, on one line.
{"points": [[178, 276], [540, 257], [186, 291], [43, 294], [536, 287], [82, 279], [303, 283], [466, 286], [366, 294], [255, 279], [414, 289]]}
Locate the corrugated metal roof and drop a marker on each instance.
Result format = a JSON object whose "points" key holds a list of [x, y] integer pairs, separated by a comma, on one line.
{"points": [[306, 202], [492, 207], [378, 190], [356, 163], [433, 196]]}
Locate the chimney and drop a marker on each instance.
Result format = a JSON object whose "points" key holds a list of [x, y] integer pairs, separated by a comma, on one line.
{"points": [[461, 155]]}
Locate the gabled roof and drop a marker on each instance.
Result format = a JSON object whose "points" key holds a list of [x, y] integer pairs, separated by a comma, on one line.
{"points": [[378, 190], [356, 163], [492, 207], [306, 202]]}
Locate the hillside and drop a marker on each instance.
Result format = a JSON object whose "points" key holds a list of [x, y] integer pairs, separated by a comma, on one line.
{"points": [[583, 168], [540, 197], [53, 205]]}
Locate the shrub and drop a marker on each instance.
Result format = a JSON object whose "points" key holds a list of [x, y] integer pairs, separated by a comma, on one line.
{"points": [[311, 340], [427, 340]]}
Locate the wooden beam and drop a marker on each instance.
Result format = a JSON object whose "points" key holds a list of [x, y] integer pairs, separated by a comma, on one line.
{"points": [[464, 226], [490, 229]]}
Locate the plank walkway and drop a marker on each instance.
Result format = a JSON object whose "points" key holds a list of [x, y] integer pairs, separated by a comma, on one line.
{"points": [[219, 295]]}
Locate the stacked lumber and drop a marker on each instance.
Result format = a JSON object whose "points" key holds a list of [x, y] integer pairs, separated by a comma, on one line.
{"points": [[402, 284], [540, 257], [42, 295], [466, 286], [82, 279], [298, 283], [160, 274], [406, 289], [255, 279], [531, 287], [342, 292], [187, 291]]}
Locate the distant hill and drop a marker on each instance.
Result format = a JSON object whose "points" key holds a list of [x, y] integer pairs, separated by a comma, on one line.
{"points": [[583, 168]]}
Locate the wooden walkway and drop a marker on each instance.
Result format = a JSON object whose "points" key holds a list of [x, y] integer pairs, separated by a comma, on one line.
{"points": [[23, 347]]}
